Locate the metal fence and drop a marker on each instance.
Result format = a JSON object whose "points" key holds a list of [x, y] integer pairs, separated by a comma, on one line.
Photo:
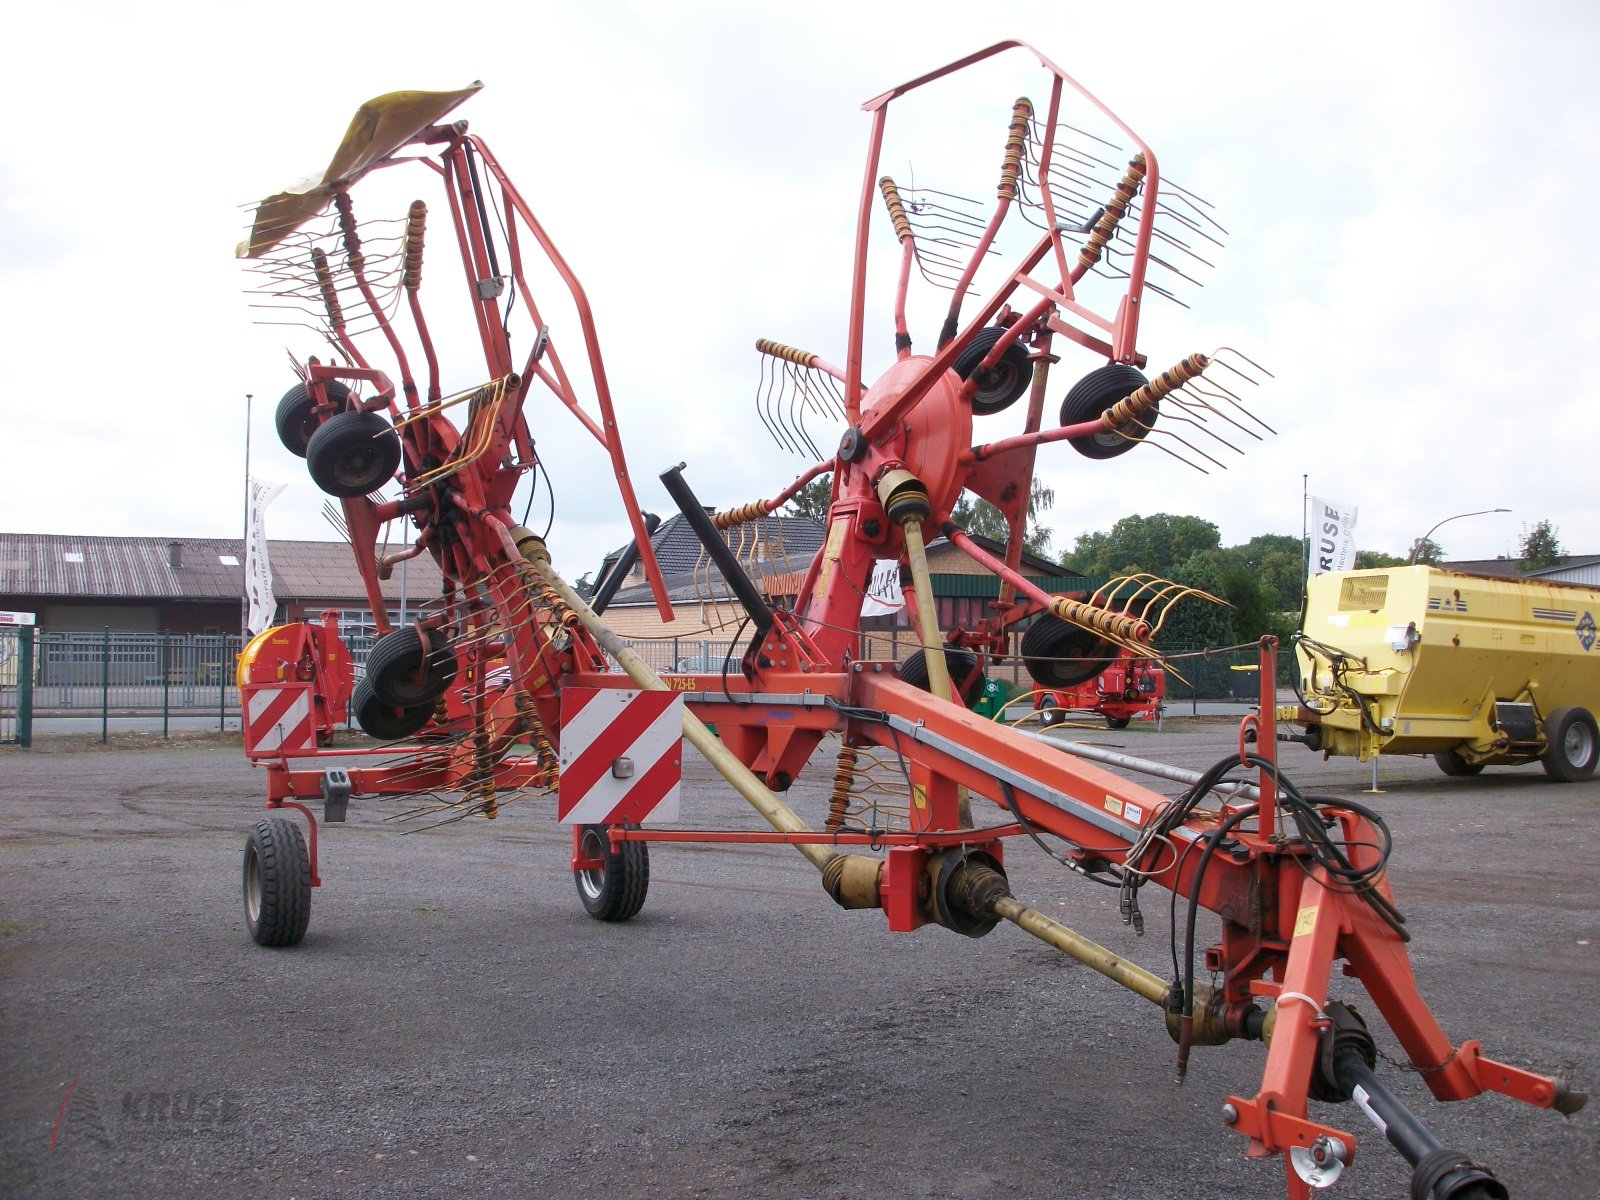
{"points": [[16, 685], [147, 676]]}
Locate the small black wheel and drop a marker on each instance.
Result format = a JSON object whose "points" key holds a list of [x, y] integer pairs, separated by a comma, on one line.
{"points": [[1059, 654], [401, 675], [616, 890], [386, 722], [962, 664], [296, 418], [1001, 385], [1118, 722], [277, 883], [1091, 396], [353, 453], [1050, 712], [1452, 763], [1573, 745]]}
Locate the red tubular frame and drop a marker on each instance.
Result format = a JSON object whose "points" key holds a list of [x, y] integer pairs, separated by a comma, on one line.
{"points": [[1284, 924]]}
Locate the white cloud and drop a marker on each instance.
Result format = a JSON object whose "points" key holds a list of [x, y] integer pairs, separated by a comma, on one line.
{"points": [[1406, 187]]}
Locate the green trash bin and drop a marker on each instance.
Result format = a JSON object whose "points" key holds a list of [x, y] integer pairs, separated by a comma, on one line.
{"points": [[992, 702]]}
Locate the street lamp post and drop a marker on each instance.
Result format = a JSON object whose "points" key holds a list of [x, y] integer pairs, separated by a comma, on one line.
{"points": [[1416, 547]]}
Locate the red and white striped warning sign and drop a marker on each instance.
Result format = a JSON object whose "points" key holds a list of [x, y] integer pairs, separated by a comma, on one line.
{"points": [[621, 756], [277, 719]]}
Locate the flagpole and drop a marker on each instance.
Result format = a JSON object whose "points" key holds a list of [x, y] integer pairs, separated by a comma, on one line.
{"points": [[1305, 539], [244, 542]]}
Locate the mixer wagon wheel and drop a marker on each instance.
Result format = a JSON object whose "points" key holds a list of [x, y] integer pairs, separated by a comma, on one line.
{"points": [[1050, 712], [386, 722], [403, 675], [616, 890], [1574, 745], [1452, 763], [1001, 385], [1059, 654], [1091, 396], [1118, 722], [296, 418], [277, 883], [353, 453], [962, 666]]}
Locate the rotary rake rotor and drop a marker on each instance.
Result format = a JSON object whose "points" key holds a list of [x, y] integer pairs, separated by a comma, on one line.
{"points": [[513, 683]]}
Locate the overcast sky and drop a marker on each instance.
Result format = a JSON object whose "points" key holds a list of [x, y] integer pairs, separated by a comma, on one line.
{"points": [[1410, 191]]}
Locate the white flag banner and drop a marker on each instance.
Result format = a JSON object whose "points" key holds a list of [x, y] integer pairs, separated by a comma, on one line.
{"points": [[260, 601], [883, 593], [1333, 536]]}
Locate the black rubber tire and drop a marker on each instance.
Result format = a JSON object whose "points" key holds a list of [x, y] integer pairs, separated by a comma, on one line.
{"points": [[277, 883], [1059, 654], [1573, 745], [1091, 396], [353, 453], [1118, 722], [296, 419], [398, 674], [1050, 712], [959, 662], [1454, 765], [386, 722], [617, 891], [1003, 384]]}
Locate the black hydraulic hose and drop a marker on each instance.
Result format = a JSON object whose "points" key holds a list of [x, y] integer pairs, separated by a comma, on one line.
{"points": [[719, 552], [1212, 840], [1438, 1173], [606, 589]]}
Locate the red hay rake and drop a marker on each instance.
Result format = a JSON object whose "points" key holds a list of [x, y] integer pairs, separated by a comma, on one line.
{"points": [[476, 696]]}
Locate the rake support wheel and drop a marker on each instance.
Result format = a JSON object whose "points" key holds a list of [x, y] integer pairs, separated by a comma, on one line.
{"points": [[1002, 384], [1091, 396], [962, 666], [296, 418], [353, 453], [386, 722], [403, 675], [1059, 654]]}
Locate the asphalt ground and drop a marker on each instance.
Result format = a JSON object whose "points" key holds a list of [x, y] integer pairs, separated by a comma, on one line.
{"points": [[454, 1023]]}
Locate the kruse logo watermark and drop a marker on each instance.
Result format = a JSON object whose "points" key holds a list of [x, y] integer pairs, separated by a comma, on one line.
{"points": [[84, 1116]]}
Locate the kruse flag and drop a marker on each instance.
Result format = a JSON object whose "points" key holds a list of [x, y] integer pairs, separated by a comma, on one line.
{"points": [[257, 570], [1333, 536]]}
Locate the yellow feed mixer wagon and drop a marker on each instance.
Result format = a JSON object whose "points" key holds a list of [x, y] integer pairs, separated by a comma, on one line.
{"points": [[1471, 669]]}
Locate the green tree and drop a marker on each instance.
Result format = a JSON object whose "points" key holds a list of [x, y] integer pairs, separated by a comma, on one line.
{"points": [[1157, 544], [1426, 550], [812, 500], [979, 517], [1278, 560], [1256, 608], [1540, 547], [1371, 559], [1194, 625]]}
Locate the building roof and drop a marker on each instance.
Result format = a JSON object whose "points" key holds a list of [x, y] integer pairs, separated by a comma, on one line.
{"points": [[1512, 567], [688, 587], [678, 549], [160, 568], [784, 573]]}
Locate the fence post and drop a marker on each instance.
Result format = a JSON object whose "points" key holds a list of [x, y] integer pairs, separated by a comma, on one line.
{"points": [[166, 684], [105, 685], [25, 686], [222, 686]]}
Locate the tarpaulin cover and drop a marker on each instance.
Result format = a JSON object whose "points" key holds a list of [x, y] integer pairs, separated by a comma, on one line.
{"points": [[380, 127]]}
